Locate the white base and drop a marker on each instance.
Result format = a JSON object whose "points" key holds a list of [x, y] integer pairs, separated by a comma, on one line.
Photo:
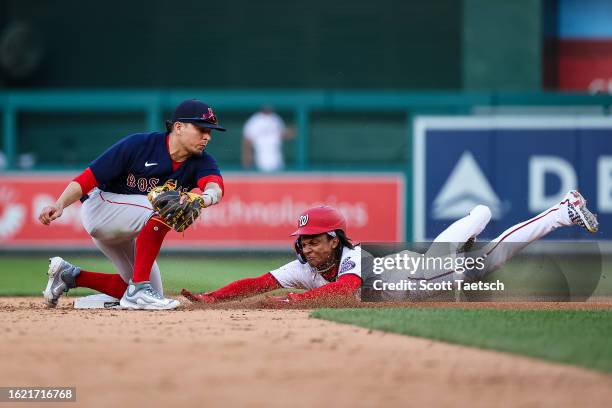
{"points": [[99, 301]]}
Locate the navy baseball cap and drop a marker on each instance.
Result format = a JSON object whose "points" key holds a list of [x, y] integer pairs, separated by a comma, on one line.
{"points": [[198, 113]]}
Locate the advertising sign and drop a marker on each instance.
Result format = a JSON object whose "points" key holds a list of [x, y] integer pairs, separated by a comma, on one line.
{"points": [[257, 211], [517, 166]]}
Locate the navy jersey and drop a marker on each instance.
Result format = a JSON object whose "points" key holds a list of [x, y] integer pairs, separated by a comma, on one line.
{"points": [[140, 162]]}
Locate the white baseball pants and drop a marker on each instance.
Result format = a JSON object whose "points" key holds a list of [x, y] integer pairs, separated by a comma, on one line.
{"points": [[114, 221]]}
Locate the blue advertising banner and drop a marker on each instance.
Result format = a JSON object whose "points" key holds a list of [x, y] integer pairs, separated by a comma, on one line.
{"points": [[517, 166]]}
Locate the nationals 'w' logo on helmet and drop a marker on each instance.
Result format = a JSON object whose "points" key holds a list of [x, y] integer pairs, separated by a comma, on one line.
{"points": [[319, 220], [303, 220]]}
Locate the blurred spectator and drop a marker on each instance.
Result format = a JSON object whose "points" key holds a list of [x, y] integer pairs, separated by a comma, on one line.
{"points": [[262, 141], [26, 161]]}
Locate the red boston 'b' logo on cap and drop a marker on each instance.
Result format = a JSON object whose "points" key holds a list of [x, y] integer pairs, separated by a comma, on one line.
{"points": [[210, 116]]}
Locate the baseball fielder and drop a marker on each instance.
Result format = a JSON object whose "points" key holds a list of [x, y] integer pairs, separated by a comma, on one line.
{"points": [[328, 265], [122, 221]]}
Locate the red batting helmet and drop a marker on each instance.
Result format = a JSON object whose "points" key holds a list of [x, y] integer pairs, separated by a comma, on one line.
{"points": [[319, 220]]}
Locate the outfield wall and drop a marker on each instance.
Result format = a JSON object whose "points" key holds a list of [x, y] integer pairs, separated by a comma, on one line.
{"points": [[517, 165]]}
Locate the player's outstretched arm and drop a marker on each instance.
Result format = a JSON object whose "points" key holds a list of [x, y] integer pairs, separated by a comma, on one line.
{"points": [[72, 193], [236, 290], [331, 294]]}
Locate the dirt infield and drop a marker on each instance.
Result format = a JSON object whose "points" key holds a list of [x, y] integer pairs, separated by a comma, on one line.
{"points": [[261, 358]]}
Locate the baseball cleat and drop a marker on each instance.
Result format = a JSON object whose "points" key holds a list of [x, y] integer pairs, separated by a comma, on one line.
{"points": [[578, 212], [142, 296], [62, 277]]}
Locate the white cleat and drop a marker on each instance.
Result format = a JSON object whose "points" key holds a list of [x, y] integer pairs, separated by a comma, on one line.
{"points": [[142, 296], [578, 212], [62, 277]]}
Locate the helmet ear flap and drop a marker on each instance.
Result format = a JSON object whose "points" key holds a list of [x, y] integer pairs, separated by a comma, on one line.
{"points": [[298, 251]]}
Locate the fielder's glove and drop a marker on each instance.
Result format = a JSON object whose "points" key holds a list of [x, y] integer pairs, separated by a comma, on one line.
{"points": [[177, 209]]}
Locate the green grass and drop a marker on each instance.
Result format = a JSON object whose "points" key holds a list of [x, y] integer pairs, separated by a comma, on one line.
{"points": [[26, 276], [575, 337]]}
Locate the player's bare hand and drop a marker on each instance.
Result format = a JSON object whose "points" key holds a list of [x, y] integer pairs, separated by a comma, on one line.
{"points": [[279, 302], [198, 297], [50, 213]]}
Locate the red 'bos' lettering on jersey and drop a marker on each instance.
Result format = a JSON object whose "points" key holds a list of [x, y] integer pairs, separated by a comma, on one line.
{"points": [[143, 184]]}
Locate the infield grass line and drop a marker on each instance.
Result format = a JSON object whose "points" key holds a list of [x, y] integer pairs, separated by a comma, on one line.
{"points": [[577, 337]]}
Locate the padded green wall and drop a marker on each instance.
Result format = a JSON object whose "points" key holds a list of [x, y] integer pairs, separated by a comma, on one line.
{"points": [[502, 45], [358, 140], [342, 140], [156, 44], [240, 43], [72, 140]]}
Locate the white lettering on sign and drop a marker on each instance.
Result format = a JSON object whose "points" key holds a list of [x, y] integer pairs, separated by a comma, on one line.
{"points": [[281, 211], [604, 184], [539, 167]]}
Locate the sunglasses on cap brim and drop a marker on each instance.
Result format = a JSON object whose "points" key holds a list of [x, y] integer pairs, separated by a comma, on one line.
{"points": [[201, 122]]}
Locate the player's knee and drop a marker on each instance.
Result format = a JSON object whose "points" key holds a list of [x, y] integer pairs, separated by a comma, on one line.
{"points": [[482, 212], [90, 229]]}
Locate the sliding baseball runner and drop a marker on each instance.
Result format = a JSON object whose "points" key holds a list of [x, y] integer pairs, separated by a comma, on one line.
{"points": [[329, 266]]}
